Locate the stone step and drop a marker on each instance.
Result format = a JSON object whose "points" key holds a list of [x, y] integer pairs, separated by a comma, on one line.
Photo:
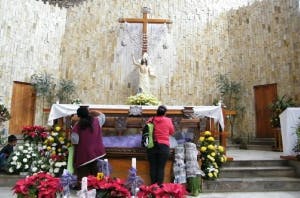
{"points": [[9, 180], [256, 163], [254, 184], [257, 171]]}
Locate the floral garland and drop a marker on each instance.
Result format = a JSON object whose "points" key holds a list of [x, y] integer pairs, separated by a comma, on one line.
{"points": [[212, 156]]}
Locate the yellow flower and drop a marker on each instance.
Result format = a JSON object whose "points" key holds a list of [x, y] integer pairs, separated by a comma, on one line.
{"points": [[207, 133], [100, 176], [203, 149], [57, 128], [211, 147], [213, 154], [61, 139], [221, 149], [210, 175], [211, 139], [201, 139], [215, 174], [49, 148]]}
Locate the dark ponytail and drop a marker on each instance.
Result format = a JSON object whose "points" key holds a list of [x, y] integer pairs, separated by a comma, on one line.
{"points": [[85, 120]]}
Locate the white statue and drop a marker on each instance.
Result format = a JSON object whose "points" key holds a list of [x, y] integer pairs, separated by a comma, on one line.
{"points": [[145, 73]]}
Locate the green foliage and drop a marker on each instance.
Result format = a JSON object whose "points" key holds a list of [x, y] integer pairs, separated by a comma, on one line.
{"points": [[44, 85], [277, 107], [66, 89], [297, 146], [229, 90], [4, 113]]}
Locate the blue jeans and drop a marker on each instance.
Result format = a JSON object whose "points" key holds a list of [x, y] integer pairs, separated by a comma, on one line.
{"points": [[158, 157]]}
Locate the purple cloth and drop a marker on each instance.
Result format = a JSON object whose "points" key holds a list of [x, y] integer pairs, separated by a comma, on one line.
{"points": [[128, 141], [90, 146]]}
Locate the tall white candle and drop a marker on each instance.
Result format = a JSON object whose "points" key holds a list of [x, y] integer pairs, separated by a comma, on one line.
{"points": [[133, 163]]}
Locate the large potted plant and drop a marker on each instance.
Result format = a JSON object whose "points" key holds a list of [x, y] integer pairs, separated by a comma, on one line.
{"points": [[277, 107]]}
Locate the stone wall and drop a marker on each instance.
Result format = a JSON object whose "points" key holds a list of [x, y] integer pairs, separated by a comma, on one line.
{"points": [[256, 42], [30, 39]]}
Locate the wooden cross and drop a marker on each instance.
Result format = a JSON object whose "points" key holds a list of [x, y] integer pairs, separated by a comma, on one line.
{"points": [[145, 20]]}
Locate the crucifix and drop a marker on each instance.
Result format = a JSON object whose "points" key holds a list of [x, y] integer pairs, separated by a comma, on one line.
{"points": [[145, 20]]}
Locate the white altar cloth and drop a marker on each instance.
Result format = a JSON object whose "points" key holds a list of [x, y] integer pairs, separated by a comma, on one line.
{"points": [[63, 110], [289, 120]]}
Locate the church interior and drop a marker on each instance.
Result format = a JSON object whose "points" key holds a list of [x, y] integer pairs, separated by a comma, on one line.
{"points": [[239, 55]]}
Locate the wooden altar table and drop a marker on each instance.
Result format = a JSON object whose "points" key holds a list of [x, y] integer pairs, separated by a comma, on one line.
{"points": [[118, 122]]}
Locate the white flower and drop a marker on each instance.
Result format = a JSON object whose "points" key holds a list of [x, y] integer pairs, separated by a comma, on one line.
{"points": [[14, 158], [17, 153], [43, 166], [56, 170], [34, 169], [33, 154], [25, 151], [26, 166], [28, 156], [13, 162], [27, 144], [55, 134], [53, 148], [25, 160], [44, 147], [11, 170], [20, 147], [54, 144], [30, 148], [19, 164]]}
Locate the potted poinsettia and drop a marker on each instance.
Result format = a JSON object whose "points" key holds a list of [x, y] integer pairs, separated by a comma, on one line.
{"points": [[40, 184]]}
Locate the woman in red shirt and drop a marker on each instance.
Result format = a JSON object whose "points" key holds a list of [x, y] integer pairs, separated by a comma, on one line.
{"points": [[159, 154]]}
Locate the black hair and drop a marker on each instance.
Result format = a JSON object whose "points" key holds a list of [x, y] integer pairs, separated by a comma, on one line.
{"points": [[85, 120], [12, 138], [161, 110], [144, 61]]}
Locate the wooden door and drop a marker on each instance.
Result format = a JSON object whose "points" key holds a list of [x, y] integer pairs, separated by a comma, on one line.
{"points": [[22, 107], [264, 96]]}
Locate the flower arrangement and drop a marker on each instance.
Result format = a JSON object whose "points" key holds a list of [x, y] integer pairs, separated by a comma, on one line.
{"points": [[165, 190], [4, 113], [38, 185], [22, 158], [108, 187], [142, 99], [55, 149], [34, 134], [212, 156]]}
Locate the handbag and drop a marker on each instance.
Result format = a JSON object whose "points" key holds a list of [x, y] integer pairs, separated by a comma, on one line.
{"points": [[148, 135]]}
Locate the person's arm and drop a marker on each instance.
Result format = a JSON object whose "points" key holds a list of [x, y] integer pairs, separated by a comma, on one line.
{"points": [[134, 61]]}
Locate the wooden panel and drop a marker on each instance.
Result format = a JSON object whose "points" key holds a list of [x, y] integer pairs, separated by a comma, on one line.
{"points": [[22, 107], [120, 168], [264, 95]]}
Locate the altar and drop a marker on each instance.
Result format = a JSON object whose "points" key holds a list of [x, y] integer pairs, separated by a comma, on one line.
{"points": [[122, 131], [289, 121]]}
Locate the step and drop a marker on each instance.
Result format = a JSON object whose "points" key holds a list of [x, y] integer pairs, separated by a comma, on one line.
{"points": [[256, 163], [9, 180], [257, 171], [262, 141], [254, 184]]}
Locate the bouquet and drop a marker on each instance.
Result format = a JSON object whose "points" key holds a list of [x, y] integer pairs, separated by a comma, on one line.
{"points": [[142, 99], [55, 149], [22, 158], [38, 185], [212, 156]]}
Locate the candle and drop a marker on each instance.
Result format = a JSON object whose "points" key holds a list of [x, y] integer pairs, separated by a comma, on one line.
{"points": [[133, 164]]}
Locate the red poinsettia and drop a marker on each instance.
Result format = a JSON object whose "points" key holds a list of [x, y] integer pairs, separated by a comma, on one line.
{"points": [[39, 185], [34, 133], [108, 187], [166, 190]]}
